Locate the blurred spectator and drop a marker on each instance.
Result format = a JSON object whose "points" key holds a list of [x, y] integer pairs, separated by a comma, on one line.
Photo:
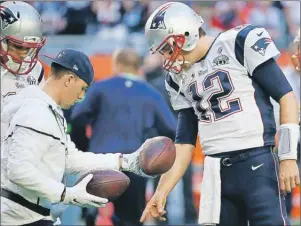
{"points": [[205, 9], [124, 111], [226, 15], [270, 17], [52, 14], [111, 31], [134, 15], [107, 12], [77, 17], [155, 75], [292, 15]]}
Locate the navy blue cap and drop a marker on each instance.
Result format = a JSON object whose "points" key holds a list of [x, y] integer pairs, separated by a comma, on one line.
{"points": [[77, 62]]}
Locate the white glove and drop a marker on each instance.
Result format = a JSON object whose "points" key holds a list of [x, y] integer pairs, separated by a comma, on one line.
{"points": [[130, 163], [78, 195]]}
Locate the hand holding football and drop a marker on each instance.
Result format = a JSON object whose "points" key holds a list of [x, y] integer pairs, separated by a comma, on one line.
{"points": [[109, 184], [157, 156]]}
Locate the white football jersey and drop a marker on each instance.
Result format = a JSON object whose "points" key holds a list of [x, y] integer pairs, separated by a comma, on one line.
{"points": [[11, 84], [234, 112]]}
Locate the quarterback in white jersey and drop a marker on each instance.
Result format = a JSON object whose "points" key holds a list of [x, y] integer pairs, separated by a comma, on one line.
{"points": [[11, 83], [221, 88], [21, 39]]}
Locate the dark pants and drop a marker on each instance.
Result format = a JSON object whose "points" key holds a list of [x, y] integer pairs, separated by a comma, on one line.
{"points": [[189, 208], [128, 207], [190, 214], [289, 203], [40, 223], [250, 191]]}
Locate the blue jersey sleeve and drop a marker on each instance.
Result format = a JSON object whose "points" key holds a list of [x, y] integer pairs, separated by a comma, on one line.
{"points": [[271, 78], [187, 128]]}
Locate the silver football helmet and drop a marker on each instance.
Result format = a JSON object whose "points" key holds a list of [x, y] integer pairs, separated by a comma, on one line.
{"points": [[174, 27], [21, 36]]}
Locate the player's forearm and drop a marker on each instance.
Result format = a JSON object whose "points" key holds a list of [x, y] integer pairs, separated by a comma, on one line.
{"points": [[169, 180], [289, 109], [79, 162]]}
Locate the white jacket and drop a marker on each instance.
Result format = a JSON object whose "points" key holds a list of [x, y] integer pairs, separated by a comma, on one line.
{"points": [[37, 153]]}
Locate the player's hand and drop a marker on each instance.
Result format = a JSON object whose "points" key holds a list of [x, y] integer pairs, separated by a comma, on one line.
{"points": [[79, 196], [130, 163], [155, 207], [289, 175]]}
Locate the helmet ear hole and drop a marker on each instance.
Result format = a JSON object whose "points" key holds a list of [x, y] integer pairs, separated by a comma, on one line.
{"points": [[186, 33]]}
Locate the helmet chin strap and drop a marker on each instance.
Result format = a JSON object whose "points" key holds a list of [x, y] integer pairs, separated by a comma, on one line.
{"points": [[185, 65], [180, 88], [15, 66], [184, 80]]}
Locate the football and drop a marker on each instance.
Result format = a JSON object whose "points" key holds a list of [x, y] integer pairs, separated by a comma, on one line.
{"points": [[109, 184], [157, 156]]}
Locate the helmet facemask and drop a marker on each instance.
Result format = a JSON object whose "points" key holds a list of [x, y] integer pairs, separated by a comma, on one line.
{"points": [[172, 45], [20, 65]]}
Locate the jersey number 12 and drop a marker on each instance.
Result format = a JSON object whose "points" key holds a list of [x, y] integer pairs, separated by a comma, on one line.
{"points": [[217, 95]]}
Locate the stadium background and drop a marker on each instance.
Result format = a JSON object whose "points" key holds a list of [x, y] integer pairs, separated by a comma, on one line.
{"points": [[100, 27]]}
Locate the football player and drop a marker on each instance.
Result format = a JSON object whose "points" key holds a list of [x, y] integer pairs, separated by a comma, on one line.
{"points": [[21, 38], [221, 88]]}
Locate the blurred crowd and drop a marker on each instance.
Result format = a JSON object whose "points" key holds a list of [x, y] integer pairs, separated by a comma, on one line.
{"points": [[124, 20]]}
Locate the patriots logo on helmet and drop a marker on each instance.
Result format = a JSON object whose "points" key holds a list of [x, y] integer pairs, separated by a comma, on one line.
{"points": [[158, 20], [7, 17], [261, 45]]}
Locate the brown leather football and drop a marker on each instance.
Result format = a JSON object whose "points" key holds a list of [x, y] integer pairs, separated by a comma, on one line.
{"points": [[109, 184], [157, 156]]}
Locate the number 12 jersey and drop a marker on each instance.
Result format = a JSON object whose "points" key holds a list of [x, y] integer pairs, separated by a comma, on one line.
{"points": [[234, 112]]}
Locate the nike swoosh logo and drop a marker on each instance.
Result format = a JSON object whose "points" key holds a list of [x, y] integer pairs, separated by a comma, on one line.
{"points": [[256, 167], [259, 34], [74, 200]]}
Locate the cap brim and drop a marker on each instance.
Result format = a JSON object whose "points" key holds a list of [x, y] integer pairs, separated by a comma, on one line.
{"points": [[49, 60]]}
